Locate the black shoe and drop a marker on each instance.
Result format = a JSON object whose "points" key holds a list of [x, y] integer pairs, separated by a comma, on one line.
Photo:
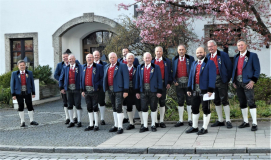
{"points": [[102, 122], [67, 121], [125, 120], [243, 125], [75, 120], [163, 125], [113, 129], [96, 128], [70, 125], [143, 129], [120, 131], [130, 127], [178, 124], [22, 124], [190, 123], [142, 125], [157, 125], [217, 123], [79, 124], [89, 128], [153, 128], [34, 123], [228, 124], [202, 131], [192, 130], [254, 127]]}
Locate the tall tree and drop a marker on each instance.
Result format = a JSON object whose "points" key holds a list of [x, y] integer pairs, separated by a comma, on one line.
{"points": [[230, 17]]}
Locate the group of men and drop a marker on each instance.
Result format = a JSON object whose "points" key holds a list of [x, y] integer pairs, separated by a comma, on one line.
{"points": [[132, 86]]}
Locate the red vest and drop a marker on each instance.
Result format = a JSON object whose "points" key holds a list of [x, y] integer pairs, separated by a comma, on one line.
{"points": [[23, 79], [181, 69], [240, 65], [72, 76], [110, 75], [131, 74], [147, 73], [88, 77], [123, 61], [197, 73], [162, 67], [216, 63]]}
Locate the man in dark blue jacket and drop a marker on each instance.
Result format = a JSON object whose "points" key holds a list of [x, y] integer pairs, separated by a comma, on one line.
{"points": [[69, 83], [131, 101], [125, 51], [181, 66], [149, 88], [201, 81], [21, 87], [57, 73], [246, 71], [116, 81], [165, 68], [223, 76], [91, 83], [101, 92]]}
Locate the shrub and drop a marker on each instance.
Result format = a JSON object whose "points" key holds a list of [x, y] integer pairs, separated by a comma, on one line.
{"points": [[5, 80], [262, 89], [5, 95]]}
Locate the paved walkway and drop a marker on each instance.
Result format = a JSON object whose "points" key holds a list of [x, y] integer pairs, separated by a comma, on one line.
{"points": [[53, 136], [110, 156]]}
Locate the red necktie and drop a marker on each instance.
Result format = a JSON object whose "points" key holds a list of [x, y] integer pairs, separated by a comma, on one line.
{"points": [[22, 72], [199, 62]]}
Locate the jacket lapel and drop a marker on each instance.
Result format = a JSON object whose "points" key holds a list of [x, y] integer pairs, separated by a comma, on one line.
{"points": [[246, 59], [187, 65], [19, 76], [116, 70], [152, 70], [93, 73], [219, 61], [202, 67]]}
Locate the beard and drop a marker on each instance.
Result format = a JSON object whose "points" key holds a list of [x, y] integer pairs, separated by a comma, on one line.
{"points": [[200, 57]]}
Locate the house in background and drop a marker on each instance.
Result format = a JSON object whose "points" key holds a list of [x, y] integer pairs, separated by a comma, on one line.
{"points": [[40, 31]]}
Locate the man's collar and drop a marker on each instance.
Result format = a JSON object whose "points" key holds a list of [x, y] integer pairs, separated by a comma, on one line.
{"points": [[243, 54], [113, 65], [180, 58], [201, 61], [147, 65], [129, 68], [89, 66], [97, 61], [22, 71], [214, 54], [161, 58]]}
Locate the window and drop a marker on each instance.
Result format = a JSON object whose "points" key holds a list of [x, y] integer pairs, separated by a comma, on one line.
{"points": [[22, 49]]}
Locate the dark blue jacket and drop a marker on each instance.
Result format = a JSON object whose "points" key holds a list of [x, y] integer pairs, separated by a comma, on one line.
{"points": [[136, 62], [15, 83], [156, 83], [97, 76], [251, 67], [168, 75], [175, 60], [224, 65], [207, 76], [64, 77], [59, 69], [103, 63], [134, 76], [121, 78]]}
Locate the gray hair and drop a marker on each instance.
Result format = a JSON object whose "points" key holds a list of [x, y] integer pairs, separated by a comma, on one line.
{"points": [[21, 61], [130, 54], [212, 41], [71, 55], [112, 53], [241, 40], [159, 47], [182, 45], [146, 53]]}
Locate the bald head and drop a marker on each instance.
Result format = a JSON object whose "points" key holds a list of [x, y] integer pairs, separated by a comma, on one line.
{"points": [[71, 59], [200, 53], [112, 57]]}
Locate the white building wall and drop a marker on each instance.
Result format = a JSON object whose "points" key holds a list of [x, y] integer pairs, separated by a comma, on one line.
{"points": [[45, 17]]}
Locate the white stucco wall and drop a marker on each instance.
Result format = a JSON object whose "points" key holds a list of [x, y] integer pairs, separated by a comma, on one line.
{"points": [[45, 17]]}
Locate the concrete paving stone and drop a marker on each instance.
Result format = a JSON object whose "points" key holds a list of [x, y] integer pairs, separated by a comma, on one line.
{"points": [[264, 157], [259, 150], [258, 154], [250, 157]]}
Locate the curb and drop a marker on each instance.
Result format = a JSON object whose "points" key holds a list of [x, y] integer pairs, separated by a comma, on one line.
{"points": [[135, 150]]}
